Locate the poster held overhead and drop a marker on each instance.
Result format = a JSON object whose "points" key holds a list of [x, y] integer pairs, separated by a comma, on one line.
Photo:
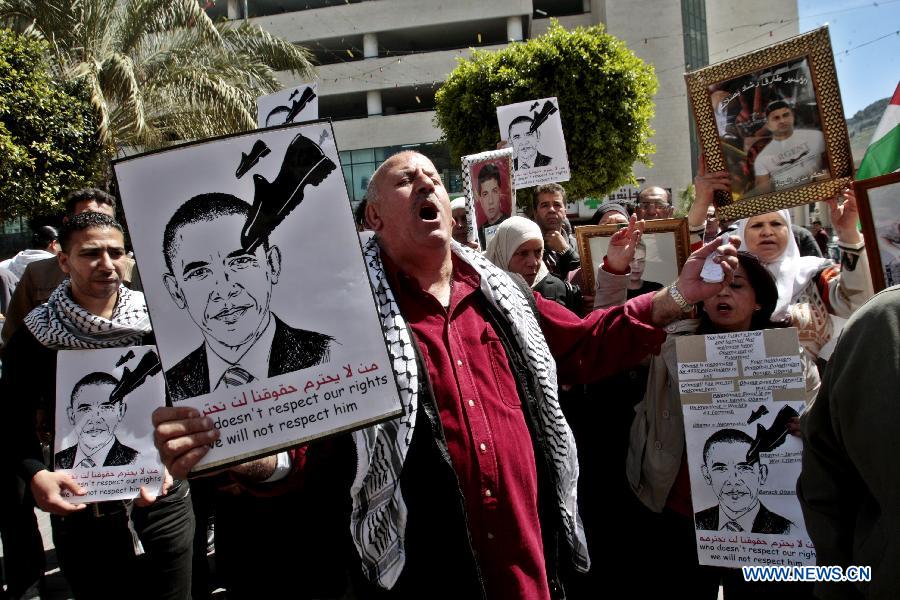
{"points": [[103, 430], [257, 289], [291, 105], [772, 119], [488, 184], [534, 130]]}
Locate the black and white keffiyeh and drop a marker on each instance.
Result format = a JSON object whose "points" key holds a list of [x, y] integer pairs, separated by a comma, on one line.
{"points": [[378, 520], [63, 324]]}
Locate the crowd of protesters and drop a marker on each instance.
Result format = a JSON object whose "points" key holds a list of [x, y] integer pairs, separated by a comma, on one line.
{"points": [[518, 365]]}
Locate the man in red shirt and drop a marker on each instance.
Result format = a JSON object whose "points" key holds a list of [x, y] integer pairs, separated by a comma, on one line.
{"points": [[479, 499]]}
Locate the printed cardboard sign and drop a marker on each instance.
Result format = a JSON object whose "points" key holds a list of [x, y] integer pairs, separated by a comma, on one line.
{"points": [[104, 434], [257, 289]]}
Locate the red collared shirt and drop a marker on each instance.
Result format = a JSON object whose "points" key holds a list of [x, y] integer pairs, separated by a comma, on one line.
{"points": [[481, 413]]}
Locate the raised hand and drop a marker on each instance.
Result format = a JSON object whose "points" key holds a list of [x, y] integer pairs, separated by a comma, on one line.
{"points": [[704, 186], [622, 245], [691, 286], [845, 216]]}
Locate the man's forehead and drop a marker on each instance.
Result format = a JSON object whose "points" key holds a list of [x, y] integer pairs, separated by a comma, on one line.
{"points": [[520, 125], [410, 161], [221, 230], [97, 392], [98, 237], [720, 450], [91, 205], [551, 197], [654, 194], [200, 240]]}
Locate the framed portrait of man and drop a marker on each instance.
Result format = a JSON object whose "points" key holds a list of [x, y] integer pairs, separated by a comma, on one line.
{"points": [[488, 185], [878, 199], [773, 120], [257, 288], [103, 430], [657, 261]]}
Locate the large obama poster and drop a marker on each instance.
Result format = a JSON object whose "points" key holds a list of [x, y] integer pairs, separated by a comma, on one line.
{"points": [[257, 289]]}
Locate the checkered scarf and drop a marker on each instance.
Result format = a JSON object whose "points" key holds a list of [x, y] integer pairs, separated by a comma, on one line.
{"points": [[378, 520], [63, 324]]}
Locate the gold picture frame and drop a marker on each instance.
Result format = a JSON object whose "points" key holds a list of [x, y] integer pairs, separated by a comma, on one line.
{"points": [[665, 255], [878, 200], [738, 103]]}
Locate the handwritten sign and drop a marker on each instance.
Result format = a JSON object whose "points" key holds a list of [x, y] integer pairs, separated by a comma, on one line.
{"points": [[738, 392]]}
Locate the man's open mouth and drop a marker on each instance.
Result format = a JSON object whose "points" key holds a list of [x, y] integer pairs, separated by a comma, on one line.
{"points": [[428, 211]]}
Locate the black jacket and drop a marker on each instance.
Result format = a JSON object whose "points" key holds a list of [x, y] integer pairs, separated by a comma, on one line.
{"points": [[292, 350]]}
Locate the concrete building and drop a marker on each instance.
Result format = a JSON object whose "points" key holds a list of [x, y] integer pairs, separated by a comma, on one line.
{"points": [[380, 61]]}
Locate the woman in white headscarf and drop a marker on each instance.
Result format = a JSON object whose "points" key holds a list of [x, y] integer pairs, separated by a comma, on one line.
{"points": [[811, 289], [518, 247]]}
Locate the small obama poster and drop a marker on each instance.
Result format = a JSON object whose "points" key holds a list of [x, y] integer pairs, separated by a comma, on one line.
{"points": [[292, 105], [103, 434], [534, 131], [257, 288]]}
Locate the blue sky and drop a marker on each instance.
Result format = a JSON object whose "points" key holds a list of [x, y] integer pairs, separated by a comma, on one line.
{"points": [[865, 72]]}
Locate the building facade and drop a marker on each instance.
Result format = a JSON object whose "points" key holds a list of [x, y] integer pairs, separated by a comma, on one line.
{"points": [[381, 61]]}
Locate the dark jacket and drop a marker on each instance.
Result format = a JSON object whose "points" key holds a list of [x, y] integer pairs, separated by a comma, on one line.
{"points": [[765, 522], [292, 350], [119, 454], [561, 264], [540, 160], [562, 292]]}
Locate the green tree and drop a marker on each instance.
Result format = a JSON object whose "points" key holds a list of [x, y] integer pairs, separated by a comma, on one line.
{"points": [[48, 141], [160, 71], [605, 99]]}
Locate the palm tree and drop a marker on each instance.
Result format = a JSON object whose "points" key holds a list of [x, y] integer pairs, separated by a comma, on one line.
{"points": [[159, 71]]}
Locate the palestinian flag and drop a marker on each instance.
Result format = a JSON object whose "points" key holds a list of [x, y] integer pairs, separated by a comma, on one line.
{"points": [[883, 154]]}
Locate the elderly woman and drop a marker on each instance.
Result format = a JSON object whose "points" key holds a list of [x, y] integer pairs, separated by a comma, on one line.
{"points": [[811, 289], [518, 247]]}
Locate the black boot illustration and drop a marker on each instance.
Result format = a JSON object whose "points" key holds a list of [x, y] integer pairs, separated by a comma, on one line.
{"points": [[249, 160], [304, 164], [769, 439], [131, 380]]}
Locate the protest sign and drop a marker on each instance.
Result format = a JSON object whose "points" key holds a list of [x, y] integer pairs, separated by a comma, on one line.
{"points": [[103, 431], [292, 105], [738, 392], [257, 289], [534, 130]]}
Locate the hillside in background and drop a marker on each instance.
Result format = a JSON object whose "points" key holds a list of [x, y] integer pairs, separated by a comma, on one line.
{"points": [[861, 127]]}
